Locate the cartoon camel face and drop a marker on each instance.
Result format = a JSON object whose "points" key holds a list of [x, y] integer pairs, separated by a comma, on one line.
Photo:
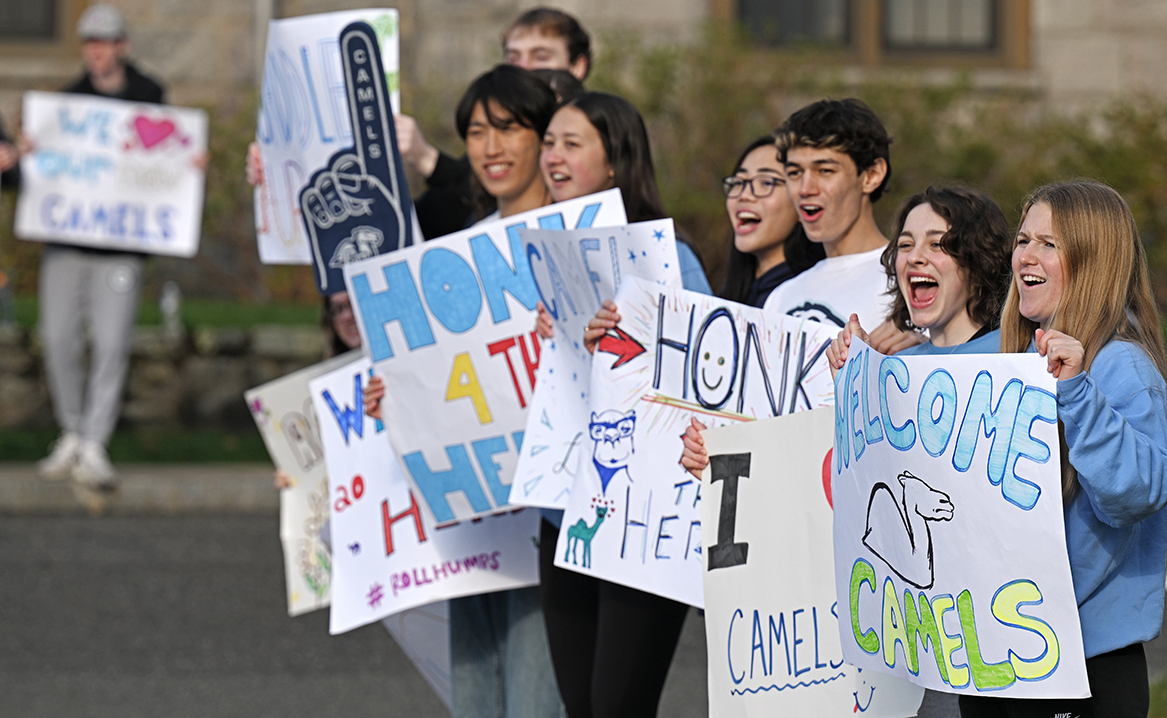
{"points": [[898, 526]]}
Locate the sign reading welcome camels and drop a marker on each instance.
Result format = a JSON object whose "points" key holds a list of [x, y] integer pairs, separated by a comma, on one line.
{"points": [[950, 553]]}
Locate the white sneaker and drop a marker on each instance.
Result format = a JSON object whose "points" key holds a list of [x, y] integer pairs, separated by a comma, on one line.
{"points": [[58, 464], [92, 466]]}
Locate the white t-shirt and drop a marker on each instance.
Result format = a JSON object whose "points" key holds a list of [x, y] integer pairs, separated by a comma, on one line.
{"points": [[834, 289]]}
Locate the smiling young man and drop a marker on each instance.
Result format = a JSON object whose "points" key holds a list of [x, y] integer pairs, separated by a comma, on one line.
{"points": [[540, 38], [837, 164]]}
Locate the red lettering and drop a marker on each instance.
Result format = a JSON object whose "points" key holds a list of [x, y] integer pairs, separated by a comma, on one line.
{"points": [[531, 366], [387, 522], [503, 346]]}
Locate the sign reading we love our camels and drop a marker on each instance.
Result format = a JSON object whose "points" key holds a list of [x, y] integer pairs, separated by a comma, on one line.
{"points": [[112, 174]]}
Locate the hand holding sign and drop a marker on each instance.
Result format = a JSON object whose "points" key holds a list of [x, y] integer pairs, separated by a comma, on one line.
{"points": [[358, 205]]}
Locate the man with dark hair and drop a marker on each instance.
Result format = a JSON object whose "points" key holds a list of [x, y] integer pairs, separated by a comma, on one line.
{"points": [[540, 38], [82, 286], [837, 165]]}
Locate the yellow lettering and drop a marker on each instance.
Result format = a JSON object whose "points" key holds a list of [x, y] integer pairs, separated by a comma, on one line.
{"points": [[1005, 609], [464, 383]]}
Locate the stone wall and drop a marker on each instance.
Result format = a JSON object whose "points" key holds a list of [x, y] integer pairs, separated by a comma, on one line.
{"points": [[190, 379]]}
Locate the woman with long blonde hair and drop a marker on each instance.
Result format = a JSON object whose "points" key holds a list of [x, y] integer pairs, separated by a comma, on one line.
{"points": [[1081, 297]]}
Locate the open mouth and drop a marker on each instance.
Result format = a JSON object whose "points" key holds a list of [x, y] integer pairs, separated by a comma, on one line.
{"points": [[1032, 280], [747, 220], [497, 170], [810, 212], [923, 290], [559, 177]]}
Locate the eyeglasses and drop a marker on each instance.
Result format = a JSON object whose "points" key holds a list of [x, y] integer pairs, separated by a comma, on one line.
{"points": [[760, 185]]}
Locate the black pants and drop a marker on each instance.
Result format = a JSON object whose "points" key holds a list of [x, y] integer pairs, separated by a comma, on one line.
{"points": [[1118, 687], [611, 645]]}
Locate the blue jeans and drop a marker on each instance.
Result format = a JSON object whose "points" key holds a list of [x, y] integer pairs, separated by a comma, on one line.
{"points": [[501, 665]]}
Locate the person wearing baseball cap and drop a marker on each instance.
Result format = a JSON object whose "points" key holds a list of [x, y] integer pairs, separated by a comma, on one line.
{"points": [[82, 286]]}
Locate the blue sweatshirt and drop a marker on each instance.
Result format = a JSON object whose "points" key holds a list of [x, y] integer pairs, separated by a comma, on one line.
{"points": [[1115, 420], [989, 343]]}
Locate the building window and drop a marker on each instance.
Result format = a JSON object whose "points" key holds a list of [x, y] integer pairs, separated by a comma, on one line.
{"points": [[788, 22], [939, 25], [27, 20]]}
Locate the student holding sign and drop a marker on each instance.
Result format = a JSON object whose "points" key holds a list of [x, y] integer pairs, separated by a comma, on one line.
{"points": [[1081, 297], [949, 271], [611, 644], [769, 245], [498, 643], [98, 287]]}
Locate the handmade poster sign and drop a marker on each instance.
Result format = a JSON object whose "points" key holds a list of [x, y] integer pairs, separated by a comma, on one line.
{"points": [[574, 271], [424, 635], [634, 516], [283, 411], [112, 174], [771, 619], [950, 550], [357, 206], [306, 117], [386, 556], [449, 325]]}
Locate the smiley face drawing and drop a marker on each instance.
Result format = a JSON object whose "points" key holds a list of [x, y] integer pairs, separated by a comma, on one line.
{"points": [[715, 360], [860, 706]]}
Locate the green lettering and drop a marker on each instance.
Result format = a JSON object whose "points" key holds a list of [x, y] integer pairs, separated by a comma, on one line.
{"points": [[862, 573], [986, 676], [921, 625]]}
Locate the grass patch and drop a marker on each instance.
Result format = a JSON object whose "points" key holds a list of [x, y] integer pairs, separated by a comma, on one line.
{"points": [[1158, 699], [148, 446], [202, 312]]}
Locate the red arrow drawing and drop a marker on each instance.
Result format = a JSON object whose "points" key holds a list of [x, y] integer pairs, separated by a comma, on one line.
{"points": [[621, 345]]}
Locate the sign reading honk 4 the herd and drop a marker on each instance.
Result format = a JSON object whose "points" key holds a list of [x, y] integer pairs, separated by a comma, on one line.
{"points": [[112, 174], [950, 550], [306, 117], [450, 326], [634, 516]]}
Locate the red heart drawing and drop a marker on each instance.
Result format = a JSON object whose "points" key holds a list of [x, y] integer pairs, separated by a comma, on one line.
{"points": [[827, 478], [151, 132]]}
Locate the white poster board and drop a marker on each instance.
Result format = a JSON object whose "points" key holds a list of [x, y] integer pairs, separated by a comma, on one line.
{"points": [[283, 411], [304, 117], [634, 515], [112, 174], [770, 610], [386, 556], [575, 270], [950, 549], [450, 327]]}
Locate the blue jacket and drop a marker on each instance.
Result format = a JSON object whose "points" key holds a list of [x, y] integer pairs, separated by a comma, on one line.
{"points": [[989, 343], [1115, 419]]}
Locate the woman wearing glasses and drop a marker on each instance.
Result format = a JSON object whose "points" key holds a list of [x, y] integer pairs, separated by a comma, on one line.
{"points": [[769, 245]]}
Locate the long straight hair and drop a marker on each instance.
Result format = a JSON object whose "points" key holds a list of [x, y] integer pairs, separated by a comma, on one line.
{"points": [[741, 268], [1107, 290]]}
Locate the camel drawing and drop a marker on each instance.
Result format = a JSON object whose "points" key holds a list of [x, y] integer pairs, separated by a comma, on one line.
{"points": [[897, 527], [580, 531]]}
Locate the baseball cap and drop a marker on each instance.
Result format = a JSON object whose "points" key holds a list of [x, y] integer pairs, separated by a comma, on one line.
{"points": [[101, 22]]}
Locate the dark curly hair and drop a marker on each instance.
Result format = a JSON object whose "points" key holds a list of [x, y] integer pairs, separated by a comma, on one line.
{"points": [[848, 126], [979, 240]]}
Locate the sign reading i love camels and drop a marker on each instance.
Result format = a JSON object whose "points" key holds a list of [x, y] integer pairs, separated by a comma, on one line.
{"points": [[112, 174]]}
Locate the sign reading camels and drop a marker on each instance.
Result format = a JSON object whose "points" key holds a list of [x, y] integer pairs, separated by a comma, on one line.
{"points": [[928, 452]]}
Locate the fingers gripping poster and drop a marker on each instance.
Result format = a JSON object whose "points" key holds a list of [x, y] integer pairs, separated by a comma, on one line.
{"points": [[450, 326], [306, 117], [387, 557], [286, 418], [950, 550], [112, 174], [574, 271], [634, 516], [771, 619]]}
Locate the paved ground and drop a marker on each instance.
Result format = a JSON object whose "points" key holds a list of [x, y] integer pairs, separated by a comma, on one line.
{"points": [[166, 598], [171, 603]]}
